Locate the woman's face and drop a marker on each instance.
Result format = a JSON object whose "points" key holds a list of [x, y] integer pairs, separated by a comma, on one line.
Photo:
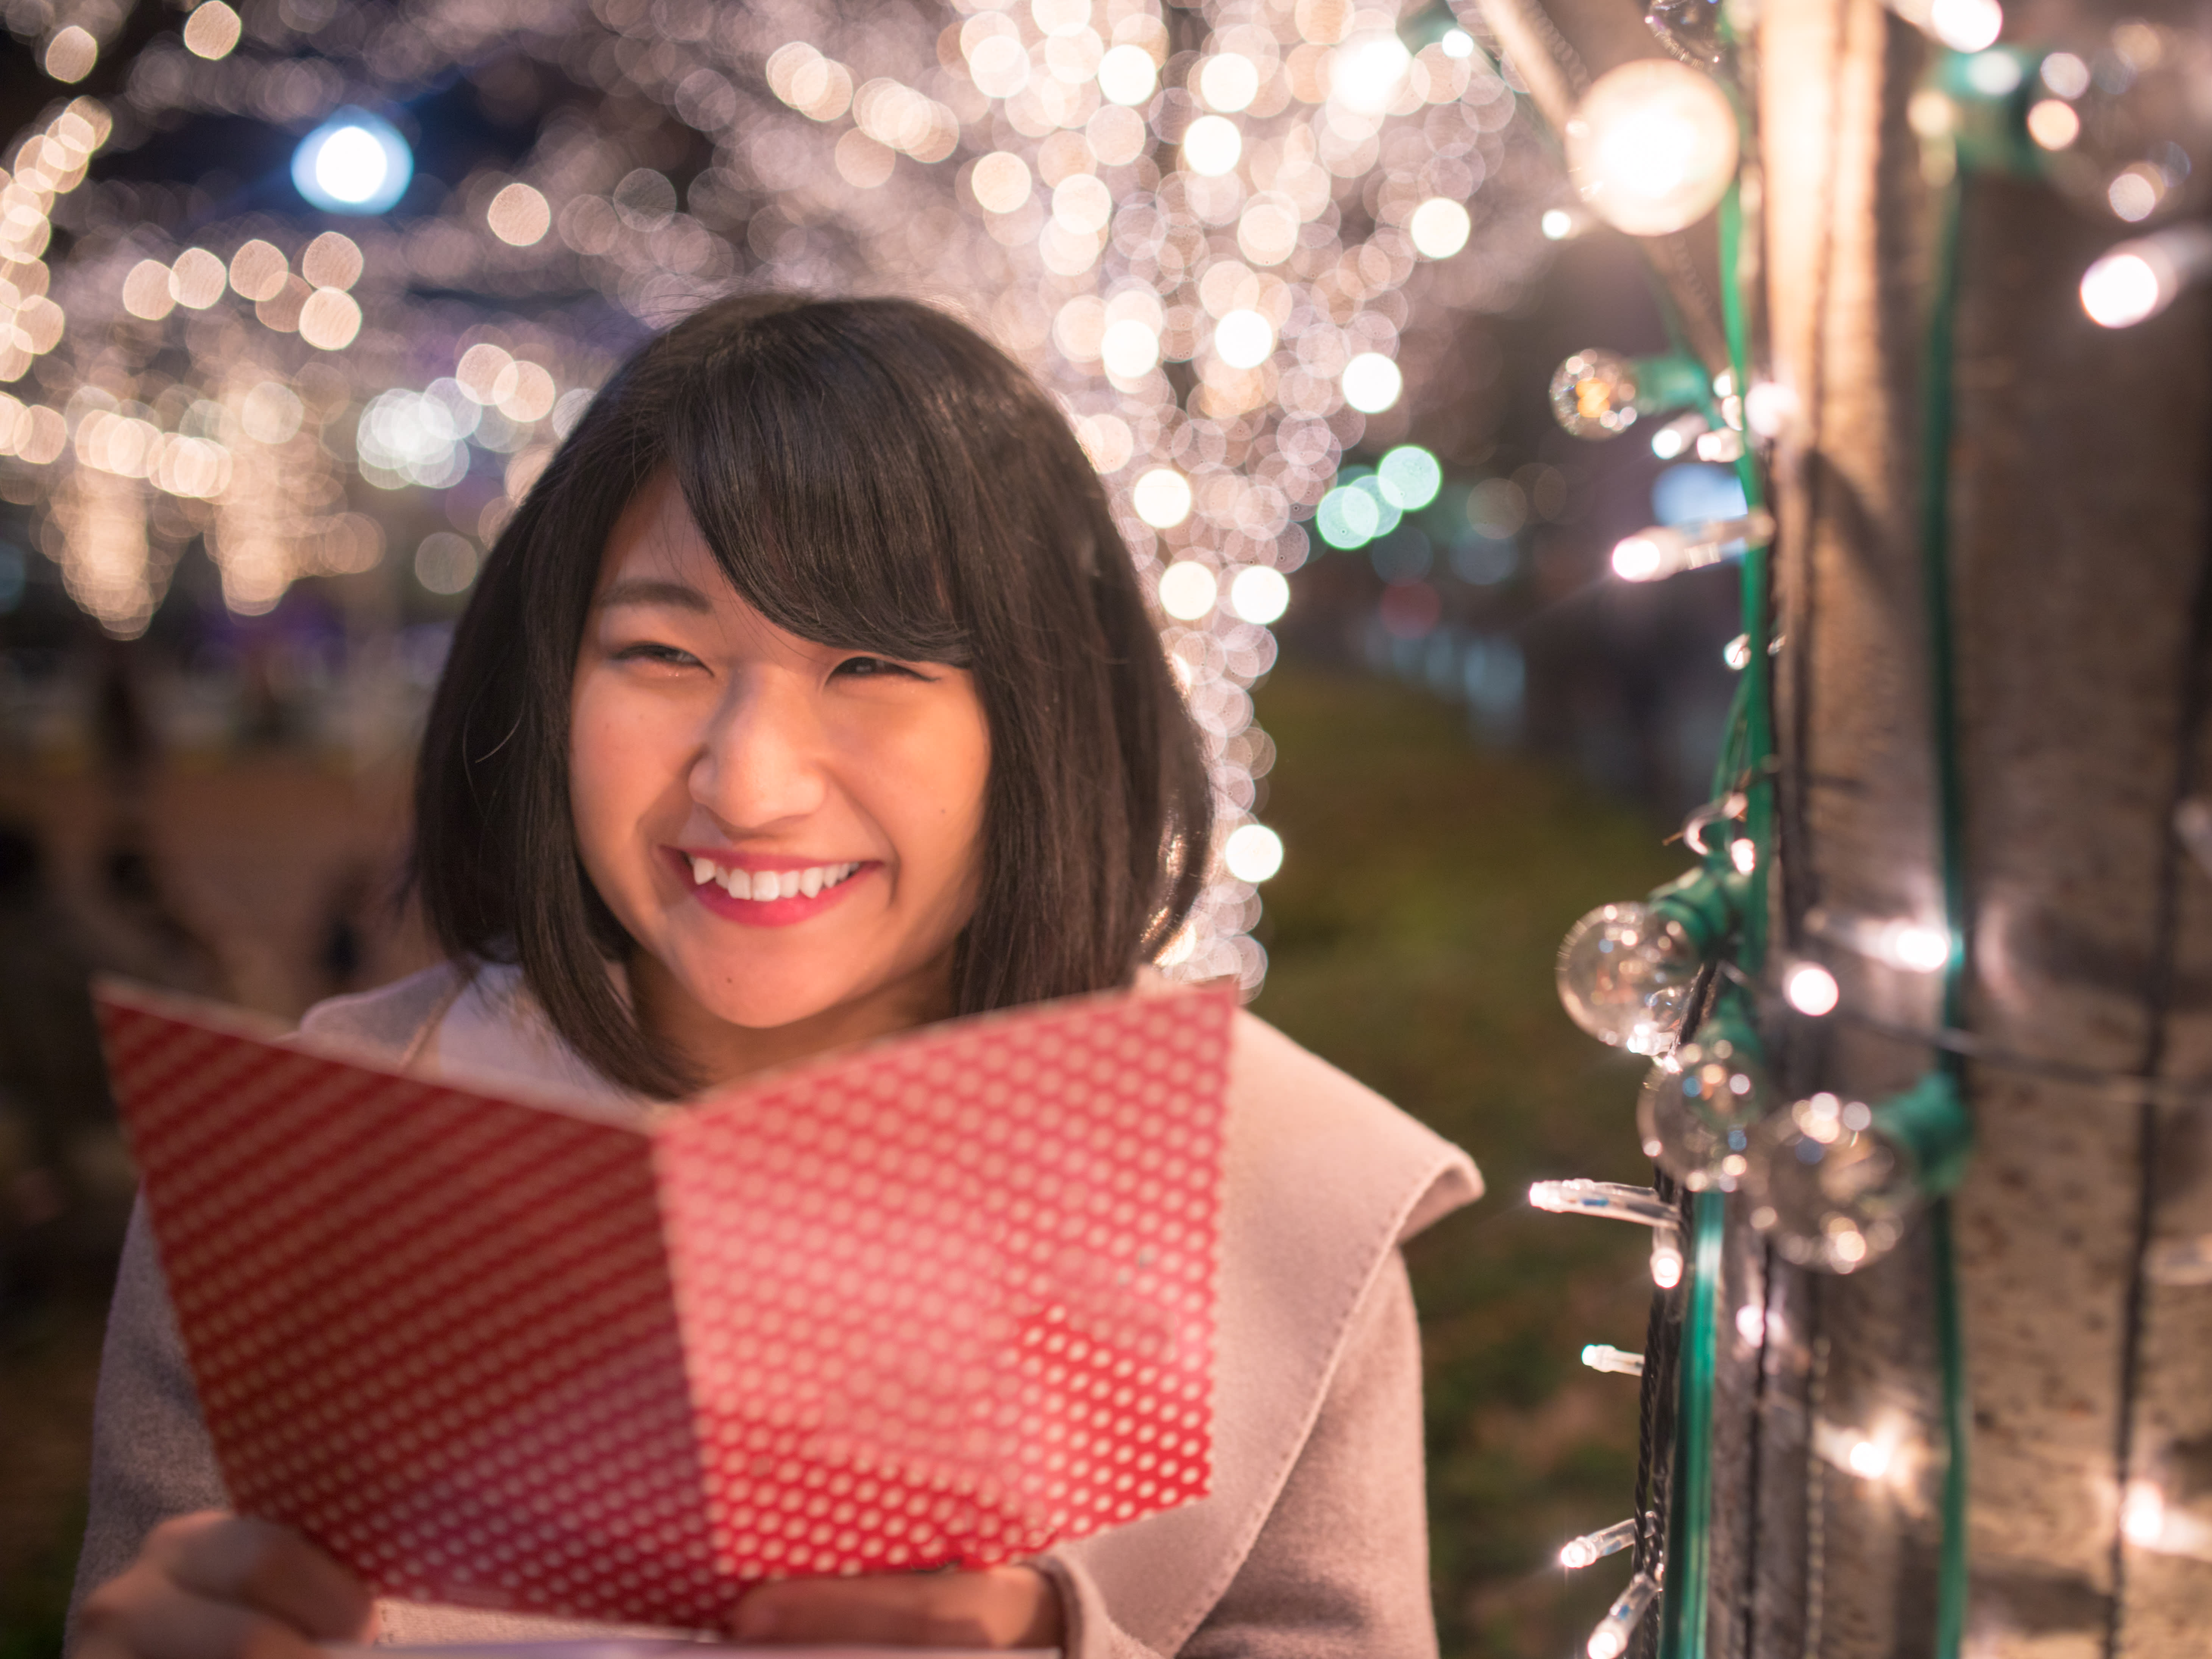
{"points": [[791, 832]]}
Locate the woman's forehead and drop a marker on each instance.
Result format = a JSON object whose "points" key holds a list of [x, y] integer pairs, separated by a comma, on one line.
{"points": [[656, 535]]}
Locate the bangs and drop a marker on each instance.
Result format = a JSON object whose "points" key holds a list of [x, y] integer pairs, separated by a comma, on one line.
{"points": [[835, 491]]}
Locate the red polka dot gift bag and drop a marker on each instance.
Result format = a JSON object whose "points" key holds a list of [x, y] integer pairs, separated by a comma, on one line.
{"points": [[944, 1299]]}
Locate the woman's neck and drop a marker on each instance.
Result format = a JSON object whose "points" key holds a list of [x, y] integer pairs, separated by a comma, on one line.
{"points": [[719, 1053]]}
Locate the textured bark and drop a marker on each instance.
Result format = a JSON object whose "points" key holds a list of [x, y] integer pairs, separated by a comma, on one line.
{"points": [[2079, 538]]}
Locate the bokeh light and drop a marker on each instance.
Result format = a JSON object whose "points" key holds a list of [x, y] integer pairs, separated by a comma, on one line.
{"points": [[1216, 235], [355, 162], [1259, 594], [1652, 146], [213, 29], [1253, 852], [1188, 590], [1372, 382]]}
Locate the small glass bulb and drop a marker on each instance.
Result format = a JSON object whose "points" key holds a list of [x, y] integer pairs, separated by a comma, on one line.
{"points": [[1652, 146], [1625, 975], [1692, 27], [1697, 1110], [1831, 1191], [1594, 394]]}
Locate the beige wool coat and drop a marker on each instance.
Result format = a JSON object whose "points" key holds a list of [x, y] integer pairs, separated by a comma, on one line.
{"points": [[1314, 1540]]}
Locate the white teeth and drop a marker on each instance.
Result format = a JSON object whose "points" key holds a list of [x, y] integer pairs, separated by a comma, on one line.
{"points": [[762, 886]]}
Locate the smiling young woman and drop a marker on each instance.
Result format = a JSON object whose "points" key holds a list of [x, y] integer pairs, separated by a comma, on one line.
{"points": [[789, 831], [811, 696]]}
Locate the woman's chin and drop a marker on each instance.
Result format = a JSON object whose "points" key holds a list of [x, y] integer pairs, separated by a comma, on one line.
{"points": [[765, 994]]}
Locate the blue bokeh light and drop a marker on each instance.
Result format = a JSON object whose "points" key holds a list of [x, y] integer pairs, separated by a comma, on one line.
{"points": [[355, 162], [1696, 492]]}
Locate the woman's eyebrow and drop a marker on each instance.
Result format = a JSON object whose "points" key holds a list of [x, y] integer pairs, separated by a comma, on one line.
{"points": [[647, 590]]}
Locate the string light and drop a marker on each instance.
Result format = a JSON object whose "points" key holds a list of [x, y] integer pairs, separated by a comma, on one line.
{"points": [[2136, 280], [1598, 394], [1965, 26], [1611, 1637], [1666, 550], [1617, 1362], [1666, 1262], [2142, 1514], [1696, 1110], [1834, 1180], [1623, 975], [1913, 947], [1677, 434], [1652, 146], [1593, 1548], [1609, 1200], [1810, 989]]}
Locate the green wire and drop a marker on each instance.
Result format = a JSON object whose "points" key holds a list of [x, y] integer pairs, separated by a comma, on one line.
{"points": [[1942, 700], [1748, 745], [1758, 587], [1689, 1544]]}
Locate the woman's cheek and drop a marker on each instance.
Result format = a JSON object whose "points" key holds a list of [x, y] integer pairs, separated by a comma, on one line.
{"points": [[610, 788]]}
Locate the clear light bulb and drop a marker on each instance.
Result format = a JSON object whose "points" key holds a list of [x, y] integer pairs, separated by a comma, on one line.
{"points": [[1594, 394], [1831, 1191], [1652, 146], [1692, 27], [1697, 1107], [1598, 394], [2140, 138], [1623, 975], [1669, 549]]}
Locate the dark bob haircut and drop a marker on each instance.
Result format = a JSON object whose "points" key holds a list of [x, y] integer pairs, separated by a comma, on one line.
{"points": [[873, 476]]}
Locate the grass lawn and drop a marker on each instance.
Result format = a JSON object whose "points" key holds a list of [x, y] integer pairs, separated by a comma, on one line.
{"points": [[1427, 882]]}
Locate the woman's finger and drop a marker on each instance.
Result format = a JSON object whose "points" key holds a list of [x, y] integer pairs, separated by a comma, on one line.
{"points": [[263, 1566], [997, 1607], [145, 1614]]}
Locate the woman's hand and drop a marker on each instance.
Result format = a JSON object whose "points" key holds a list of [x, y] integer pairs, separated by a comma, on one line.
{"points": [[996, 1607], [219, 1586]]}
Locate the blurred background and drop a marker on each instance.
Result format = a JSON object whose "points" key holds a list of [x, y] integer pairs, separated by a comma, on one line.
{"points": [[301, 296]]}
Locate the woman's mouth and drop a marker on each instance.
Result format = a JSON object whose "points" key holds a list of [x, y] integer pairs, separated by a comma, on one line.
{"points": [[767, 897]]}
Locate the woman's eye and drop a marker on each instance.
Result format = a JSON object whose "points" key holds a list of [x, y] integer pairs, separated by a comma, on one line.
{"points": [[873, 667], [649, 651]]}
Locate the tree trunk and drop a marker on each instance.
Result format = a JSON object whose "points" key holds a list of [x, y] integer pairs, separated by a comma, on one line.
{"points": [[2080, 541]]}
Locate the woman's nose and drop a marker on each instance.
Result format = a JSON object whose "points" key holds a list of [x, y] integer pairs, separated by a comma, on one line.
{"points": [[761, 763]]}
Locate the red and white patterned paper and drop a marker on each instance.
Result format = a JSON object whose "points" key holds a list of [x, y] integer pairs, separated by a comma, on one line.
{"points": [[946, 1299]]}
